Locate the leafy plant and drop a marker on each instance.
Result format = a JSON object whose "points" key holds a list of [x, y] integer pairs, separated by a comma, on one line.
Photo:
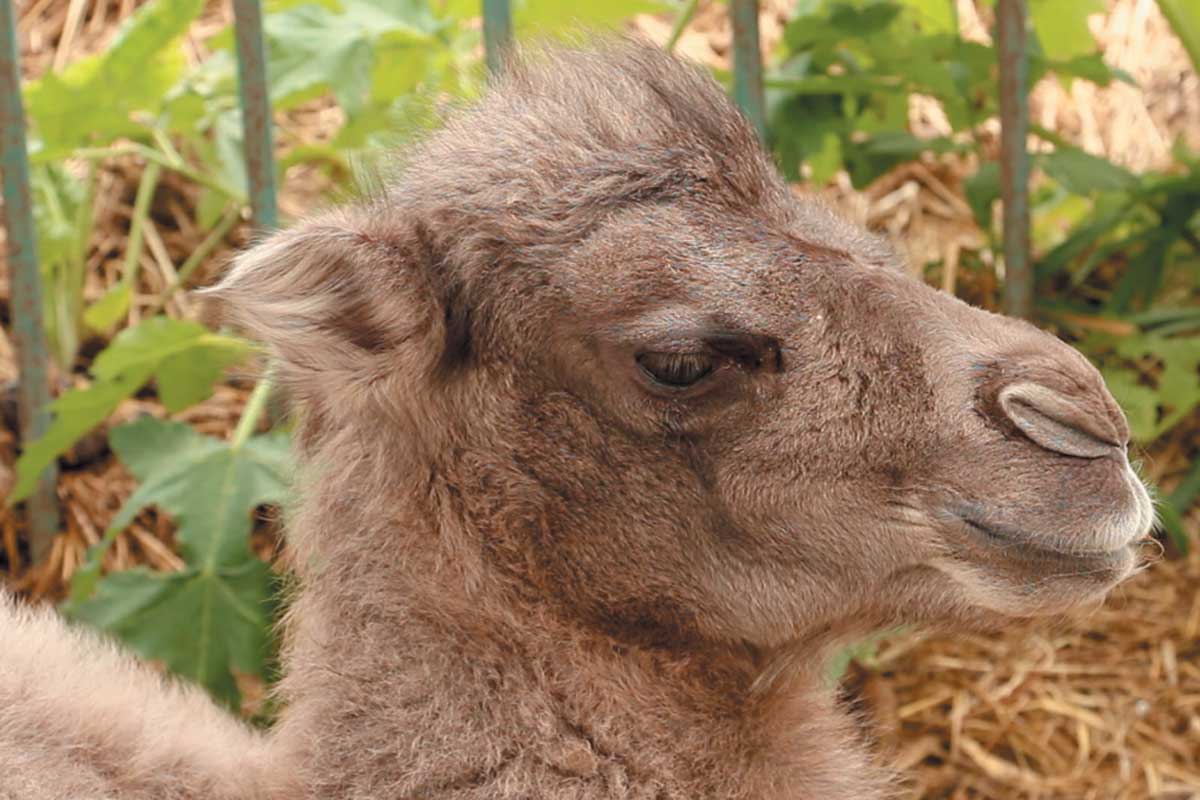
{"points": [[184, 358], [839, 93], [381, 61], [210, 487], [63, 215], [98, 99]]}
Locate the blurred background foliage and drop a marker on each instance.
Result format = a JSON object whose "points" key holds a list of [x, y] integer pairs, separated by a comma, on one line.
{"points": [[170, 464]]}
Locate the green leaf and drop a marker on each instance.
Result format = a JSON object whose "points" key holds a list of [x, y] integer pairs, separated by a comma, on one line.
{"points": [[185, 357], [1140, 403], [1083, 173], [211, 489], [1110, 212], [826, 160], [63, 210], [934, 16], [1062, 26], [1153, 410], [799, 126], [312, 48], [110, 309], [1091, 67], [206, 484], [201, 624], [982, 189], [92, 100]]}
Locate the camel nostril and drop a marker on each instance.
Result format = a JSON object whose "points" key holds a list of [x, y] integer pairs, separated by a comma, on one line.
{"points": [[1082, 427]]}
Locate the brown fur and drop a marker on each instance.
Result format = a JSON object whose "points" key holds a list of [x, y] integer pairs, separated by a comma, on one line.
{"points": [[529, 571], [80, 720]]}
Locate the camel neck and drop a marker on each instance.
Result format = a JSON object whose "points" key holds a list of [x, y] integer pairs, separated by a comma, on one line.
{"points": [[411, 670]]}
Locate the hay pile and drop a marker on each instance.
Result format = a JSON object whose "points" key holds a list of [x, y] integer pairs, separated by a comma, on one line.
{"points": [[1105, 706]]}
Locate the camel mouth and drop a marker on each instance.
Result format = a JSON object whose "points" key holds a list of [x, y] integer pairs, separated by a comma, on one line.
{"points": [[1015, 552], [1025, 546]]}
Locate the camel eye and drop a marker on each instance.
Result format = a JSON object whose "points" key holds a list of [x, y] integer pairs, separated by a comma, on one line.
{"points": [[677, 370]]}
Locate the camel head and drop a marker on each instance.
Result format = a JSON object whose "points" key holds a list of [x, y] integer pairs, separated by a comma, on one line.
{"points": [[588, 324]]}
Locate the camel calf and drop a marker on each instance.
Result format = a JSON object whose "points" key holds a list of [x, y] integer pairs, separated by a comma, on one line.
{"points": [[609, 441]]}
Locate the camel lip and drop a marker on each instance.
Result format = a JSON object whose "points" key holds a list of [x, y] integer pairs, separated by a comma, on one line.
{"points": [[1022, 545]]}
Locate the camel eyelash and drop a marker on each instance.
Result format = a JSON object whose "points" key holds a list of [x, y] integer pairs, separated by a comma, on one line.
{"points": [[748, 350], [676, 368]]}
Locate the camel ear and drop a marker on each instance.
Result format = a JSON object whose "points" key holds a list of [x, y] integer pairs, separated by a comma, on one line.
{"points": [[343, 301]]}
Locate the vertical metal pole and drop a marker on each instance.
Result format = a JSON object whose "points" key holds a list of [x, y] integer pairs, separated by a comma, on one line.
{"points": [[1012, 35], [256, 113], [29, 335], [497, 33], [747, 64]]}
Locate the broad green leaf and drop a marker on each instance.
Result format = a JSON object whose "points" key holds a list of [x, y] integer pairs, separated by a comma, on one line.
{"points": [[864, 19], [74, 414], [185, 357], [798, 128], [201, 624], [206, 484], [1140, 403], [211, 489], [110, 309], [1083, 173], [167, 349], [92, 100], [934, 16], [1062, 26], [312, 48], [1153, 410]]}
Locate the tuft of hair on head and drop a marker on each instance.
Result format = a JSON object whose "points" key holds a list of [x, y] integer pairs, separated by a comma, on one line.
{"points": [[402, 286]]}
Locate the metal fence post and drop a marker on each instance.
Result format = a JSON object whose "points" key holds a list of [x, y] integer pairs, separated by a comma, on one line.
{"points": [[1012, 35], [497, 33], [747, 64], [258, 145], [25, 284]]}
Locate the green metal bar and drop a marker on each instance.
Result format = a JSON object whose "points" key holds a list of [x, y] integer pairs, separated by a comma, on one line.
{"points": [[1012, 35], [747, 64], [497, 33], [28, 331], [256, 113]]}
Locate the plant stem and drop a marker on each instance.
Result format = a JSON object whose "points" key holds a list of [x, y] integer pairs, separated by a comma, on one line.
{"points": [[681, 21], [154, 156], [141, 209], [215, 236], [254, 409]]}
